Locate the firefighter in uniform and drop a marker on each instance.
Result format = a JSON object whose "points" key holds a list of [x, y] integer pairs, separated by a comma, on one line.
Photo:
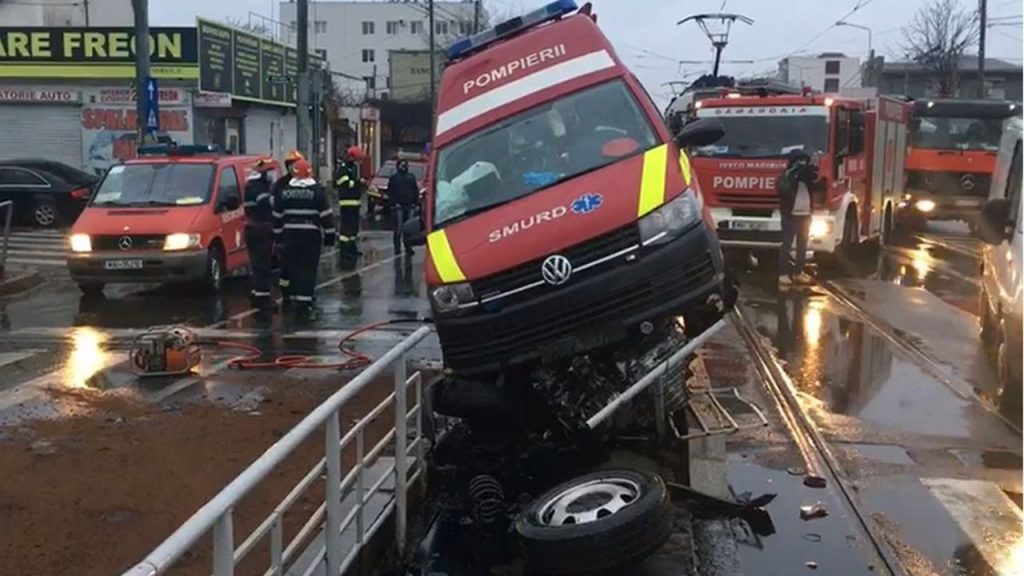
{"points": [[350, 201], [283, 282], [259, 233], [303, 222]]}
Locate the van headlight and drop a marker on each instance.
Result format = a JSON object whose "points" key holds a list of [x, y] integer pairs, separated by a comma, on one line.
{"points": [[180, 241], [80, 243], [670, 220], [450, 296]]}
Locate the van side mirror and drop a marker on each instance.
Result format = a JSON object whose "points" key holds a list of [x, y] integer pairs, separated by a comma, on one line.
{"points": [[702, 132], [412, 230], [993, 221], [230, 203]]}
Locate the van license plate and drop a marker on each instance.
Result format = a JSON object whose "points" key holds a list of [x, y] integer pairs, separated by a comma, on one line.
{"points": [[967, 202], [745, 225], [123, 265]]}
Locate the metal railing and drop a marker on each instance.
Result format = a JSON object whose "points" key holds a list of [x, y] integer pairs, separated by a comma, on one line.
{"points": [[217, 514], [8, 207]]}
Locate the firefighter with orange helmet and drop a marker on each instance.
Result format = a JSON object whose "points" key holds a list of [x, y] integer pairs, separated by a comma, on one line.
{"points": [[284, 282], [259, 237], [350, 201]]}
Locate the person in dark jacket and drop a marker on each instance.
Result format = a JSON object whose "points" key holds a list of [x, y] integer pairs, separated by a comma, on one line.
{"points": [[403, 196], [284, 283], [259, 233], [303, 222], [350, 202], [797, 186]]}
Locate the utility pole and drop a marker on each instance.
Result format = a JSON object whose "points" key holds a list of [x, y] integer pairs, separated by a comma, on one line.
{"points": [[141, 9], [433, 55], [85, 6], [303, 114], [476, 17], [983, 18]]}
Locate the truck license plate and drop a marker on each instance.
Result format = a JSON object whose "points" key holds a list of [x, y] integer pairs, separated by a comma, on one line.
{"points": [[967, 202], [746, 225], [123, 265]]}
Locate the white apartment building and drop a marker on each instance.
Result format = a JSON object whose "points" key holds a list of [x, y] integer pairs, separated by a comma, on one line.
{"points": [[827, 72], [358, 36], [64, 13]]}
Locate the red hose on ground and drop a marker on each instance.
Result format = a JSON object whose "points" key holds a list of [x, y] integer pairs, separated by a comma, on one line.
{"points": [[253, 361]]}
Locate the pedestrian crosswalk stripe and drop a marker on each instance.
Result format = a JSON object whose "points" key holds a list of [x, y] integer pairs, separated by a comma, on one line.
{"points": [[987, 516], [37, 248]]}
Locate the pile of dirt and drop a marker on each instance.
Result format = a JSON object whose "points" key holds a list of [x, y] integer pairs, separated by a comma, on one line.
{"points": [[93, 494]]}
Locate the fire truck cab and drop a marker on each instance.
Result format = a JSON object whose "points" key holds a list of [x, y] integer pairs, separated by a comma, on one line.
{"points": [[859, 145], [561, 216]]}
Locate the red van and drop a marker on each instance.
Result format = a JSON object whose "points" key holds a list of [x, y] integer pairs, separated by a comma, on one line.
{"points": [[562, 215], [172, 215]]}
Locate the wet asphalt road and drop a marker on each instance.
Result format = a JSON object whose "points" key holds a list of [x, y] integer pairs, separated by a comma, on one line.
{"points": [[882, 356]]}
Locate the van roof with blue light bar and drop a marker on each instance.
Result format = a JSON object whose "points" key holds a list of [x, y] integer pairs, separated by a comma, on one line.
{"points": [[553, 11]]}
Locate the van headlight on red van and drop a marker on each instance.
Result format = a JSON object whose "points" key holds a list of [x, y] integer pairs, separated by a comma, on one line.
{"points": [[450, 296], [180, 241], [669, 221], [80, 243]]}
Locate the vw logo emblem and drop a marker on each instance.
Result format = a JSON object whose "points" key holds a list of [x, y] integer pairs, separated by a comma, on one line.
{"points": [[556, 270], [124, 243], [967, 181]]}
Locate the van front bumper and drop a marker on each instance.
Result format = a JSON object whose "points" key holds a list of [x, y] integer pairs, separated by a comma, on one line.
{"points": [[598, 310], [947, 207], [156, 266]]}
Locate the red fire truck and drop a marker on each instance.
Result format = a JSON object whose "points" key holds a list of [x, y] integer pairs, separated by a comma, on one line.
{"points": [[860, 144]]}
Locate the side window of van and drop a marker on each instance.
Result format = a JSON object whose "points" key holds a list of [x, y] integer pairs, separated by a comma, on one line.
{"points": [[228, 194], [1013, 186]]}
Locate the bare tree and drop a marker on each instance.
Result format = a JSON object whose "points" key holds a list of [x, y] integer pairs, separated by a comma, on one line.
{"points": [[258, 28], [937, 38]]}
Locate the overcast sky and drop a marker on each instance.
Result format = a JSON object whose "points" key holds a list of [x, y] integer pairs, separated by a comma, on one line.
{"points": [[646, 35]]}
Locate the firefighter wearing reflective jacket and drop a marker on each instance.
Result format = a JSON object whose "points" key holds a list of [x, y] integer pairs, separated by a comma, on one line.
{"points": [[283, 282], [303, 222], [259, 233], [350, 201]]}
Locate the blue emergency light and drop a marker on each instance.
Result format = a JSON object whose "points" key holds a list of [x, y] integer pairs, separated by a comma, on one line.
{"points": [[183, 150], [470, 44]]}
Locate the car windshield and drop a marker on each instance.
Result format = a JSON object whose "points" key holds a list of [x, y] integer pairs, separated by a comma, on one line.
{"points": [[155, 184], [755, 136], [937, 133], [541, 147], [389, 167]]}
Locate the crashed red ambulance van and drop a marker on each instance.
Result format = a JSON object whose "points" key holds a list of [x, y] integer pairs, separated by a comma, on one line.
{"points": [[561, 217]]}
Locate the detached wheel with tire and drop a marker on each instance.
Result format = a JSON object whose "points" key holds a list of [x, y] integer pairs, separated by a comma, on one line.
{"points": [[596, 523], [213, 282], [44, 213]]}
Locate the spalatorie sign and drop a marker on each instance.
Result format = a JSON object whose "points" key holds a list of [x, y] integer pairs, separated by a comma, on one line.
{"points": [[76, 52]]}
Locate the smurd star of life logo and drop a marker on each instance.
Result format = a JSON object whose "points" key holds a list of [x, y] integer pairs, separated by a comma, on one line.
{"points": [[585, 204]]}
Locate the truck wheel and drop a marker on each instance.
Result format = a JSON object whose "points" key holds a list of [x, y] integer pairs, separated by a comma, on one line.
{"points": [[91, 288], [214, 280], [1010, 397], [986, 331], [596, 523], [887, 227]]}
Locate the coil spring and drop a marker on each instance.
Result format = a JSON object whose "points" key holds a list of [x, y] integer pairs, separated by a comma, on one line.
{"points": [[488, 498]]}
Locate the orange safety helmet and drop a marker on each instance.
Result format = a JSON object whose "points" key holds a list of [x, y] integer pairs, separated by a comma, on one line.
{"points": [[294, 156], [302, 169], [263, 165], [355, 152]]}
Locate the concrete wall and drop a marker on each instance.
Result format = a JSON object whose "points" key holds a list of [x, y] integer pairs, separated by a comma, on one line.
{"points": [[64, 13], [337, 27]]}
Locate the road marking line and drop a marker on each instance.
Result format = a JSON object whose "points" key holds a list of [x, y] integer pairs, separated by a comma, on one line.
{"points": [[35, 387], [37, 262], [987, 516]]}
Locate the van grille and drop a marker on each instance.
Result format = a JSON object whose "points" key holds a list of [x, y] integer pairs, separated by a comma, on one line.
{"points": [[138, 242]]}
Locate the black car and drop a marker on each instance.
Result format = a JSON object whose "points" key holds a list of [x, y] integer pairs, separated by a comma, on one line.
{"points": [[45, 193]]}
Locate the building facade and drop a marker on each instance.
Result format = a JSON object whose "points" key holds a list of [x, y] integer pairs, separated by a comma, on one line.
{"points": [[1003, 80], [827, 72], [359, 36], [64, 13]]}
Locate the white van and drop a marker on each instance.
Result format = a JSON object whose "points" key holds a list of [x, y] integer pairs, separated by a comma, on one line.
{"points": [[1002, 231]]}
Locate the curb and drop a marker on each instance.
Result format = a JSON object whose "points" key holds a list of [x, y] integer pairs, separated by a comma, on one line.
{"points": [[26, 279]]}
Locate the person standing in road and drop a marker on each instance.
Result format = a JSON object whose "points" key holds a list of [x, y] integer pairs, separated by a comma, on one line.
{"points": [[403, 194], [350, 202], [259, 233], [284, 282], [303, 222], [796, 187]]}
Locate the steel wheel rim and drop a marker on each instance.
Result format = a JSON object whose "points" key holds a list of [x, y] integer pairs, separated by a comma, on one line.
{"points": [[589, 502], [45, 215]]}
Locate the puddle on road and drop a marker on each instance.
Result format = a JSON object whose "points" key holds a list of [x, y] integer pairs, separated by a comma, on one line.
{"points": [[887, 453], [851, 370]]}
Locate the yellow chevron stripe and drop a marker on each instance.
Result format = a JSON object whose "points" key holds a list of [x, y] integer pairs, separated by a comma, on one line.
{"points": [[684, 165], [652, 183], [443, 257]]}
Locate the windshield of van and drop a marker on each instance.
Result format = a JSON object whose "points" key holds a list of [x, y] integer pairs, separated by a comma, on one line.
{"points": [[155, 185], [957, 133], [539, 148], [750, 136]]}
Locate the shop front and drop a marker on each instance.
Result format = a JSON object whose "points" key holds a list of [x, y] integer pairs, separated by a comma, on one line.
{"points": [[41, 122]]}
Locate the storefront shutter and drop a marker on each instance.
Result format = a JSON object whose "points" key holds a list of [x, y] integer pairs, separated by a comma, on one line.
{"points": [[43, 131]]}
